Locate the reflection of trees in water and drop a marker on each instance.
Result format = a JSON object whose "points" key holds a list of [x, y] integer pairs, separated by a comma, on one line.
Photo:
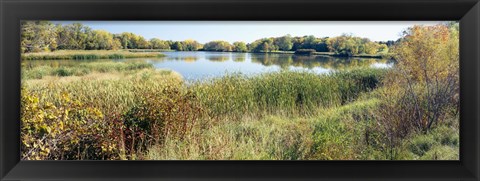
{"points": [[284, 61], [239, 57], [217, 58], [189, 58], [181, 58]]}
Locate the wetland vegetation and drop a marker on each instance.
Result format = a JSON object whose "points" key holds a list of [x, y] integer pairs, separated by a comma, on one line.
{"points": [[121, 97]]}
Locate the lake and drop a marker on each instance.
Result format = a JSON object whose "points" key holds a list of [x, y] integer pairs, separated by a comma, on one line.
{"points": [[200, 65]]}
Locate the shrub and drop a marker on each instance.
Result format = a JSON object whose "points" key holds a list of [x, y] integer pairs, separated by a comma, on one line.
{"points": [[427, 74], [422, 90], [64, 131], [172, 113]]}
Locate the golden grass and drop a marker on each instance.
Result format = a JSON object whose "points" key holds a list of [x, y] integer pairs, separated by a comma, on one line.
{"points": [[88, 54]]}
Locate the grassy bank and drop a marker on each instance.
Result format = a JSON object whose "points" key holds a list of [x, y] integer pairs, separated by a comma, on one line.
{"points": [[37, 69], [339, 133], [88, 55], [122, 110], [150, 50], [132, 101]]}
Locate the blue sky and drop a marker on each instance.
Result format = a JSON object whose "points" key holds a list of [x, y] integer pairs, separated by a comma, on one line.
{"points": [[248, 31]]}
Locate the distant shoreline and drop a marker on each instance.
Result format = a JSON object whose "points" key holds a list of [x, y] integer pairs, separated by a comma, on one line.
{"points": [[144, 53], [315, 53], [327, 54]]}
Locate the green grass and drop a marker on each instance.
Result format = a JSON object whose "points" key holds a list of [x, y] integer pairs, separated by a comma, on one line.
{"points": [[38, 71], [327, 136], [284, 92], [268, 138], [87, 55], [441, 143]]}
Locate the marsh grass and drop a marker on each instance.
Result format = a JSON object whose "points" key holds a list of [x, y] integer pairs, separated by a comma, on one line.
{"points": [[286, 92], [155, 114], [38, 71], [329, 135], [88, 55]]}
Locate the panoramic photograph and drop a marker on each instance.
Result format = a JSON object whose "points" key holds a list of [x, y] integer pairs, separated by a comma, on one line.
{"points": [[240, 90]]}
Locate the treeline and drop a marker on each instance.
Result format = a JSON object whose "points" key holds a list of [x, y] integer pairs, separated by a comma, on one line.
{"points": [[39, 36]]}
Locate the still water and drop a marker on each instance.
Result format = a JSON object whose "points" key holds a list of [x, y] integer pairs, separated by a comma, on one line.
{"points": [[204, 65], [200, 65]]}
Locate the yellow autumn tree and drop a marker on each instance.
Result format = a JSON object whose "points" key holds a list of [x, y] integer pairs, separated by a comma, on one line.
{"points": [[422, 90]]}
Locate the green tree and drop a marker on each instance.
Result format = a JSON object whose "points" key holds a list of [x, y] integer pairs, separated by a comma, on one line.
{"points": [[263, 45], [132, 41], [37, 36], [348, 45], [177, 46], [297, 43], [142, 43], [284, 43], [219, 46], [310, 42], [320, 44], [103, 40], [424, 86], [240, 46], [369, 47], [156, 43], [383, 48], [191, 45], [73, 36], [345, 45]]}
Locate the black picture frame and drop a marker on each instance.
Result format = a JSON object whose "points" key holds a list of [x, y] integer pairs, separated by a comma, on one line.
{"points": [[13, 11]]}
